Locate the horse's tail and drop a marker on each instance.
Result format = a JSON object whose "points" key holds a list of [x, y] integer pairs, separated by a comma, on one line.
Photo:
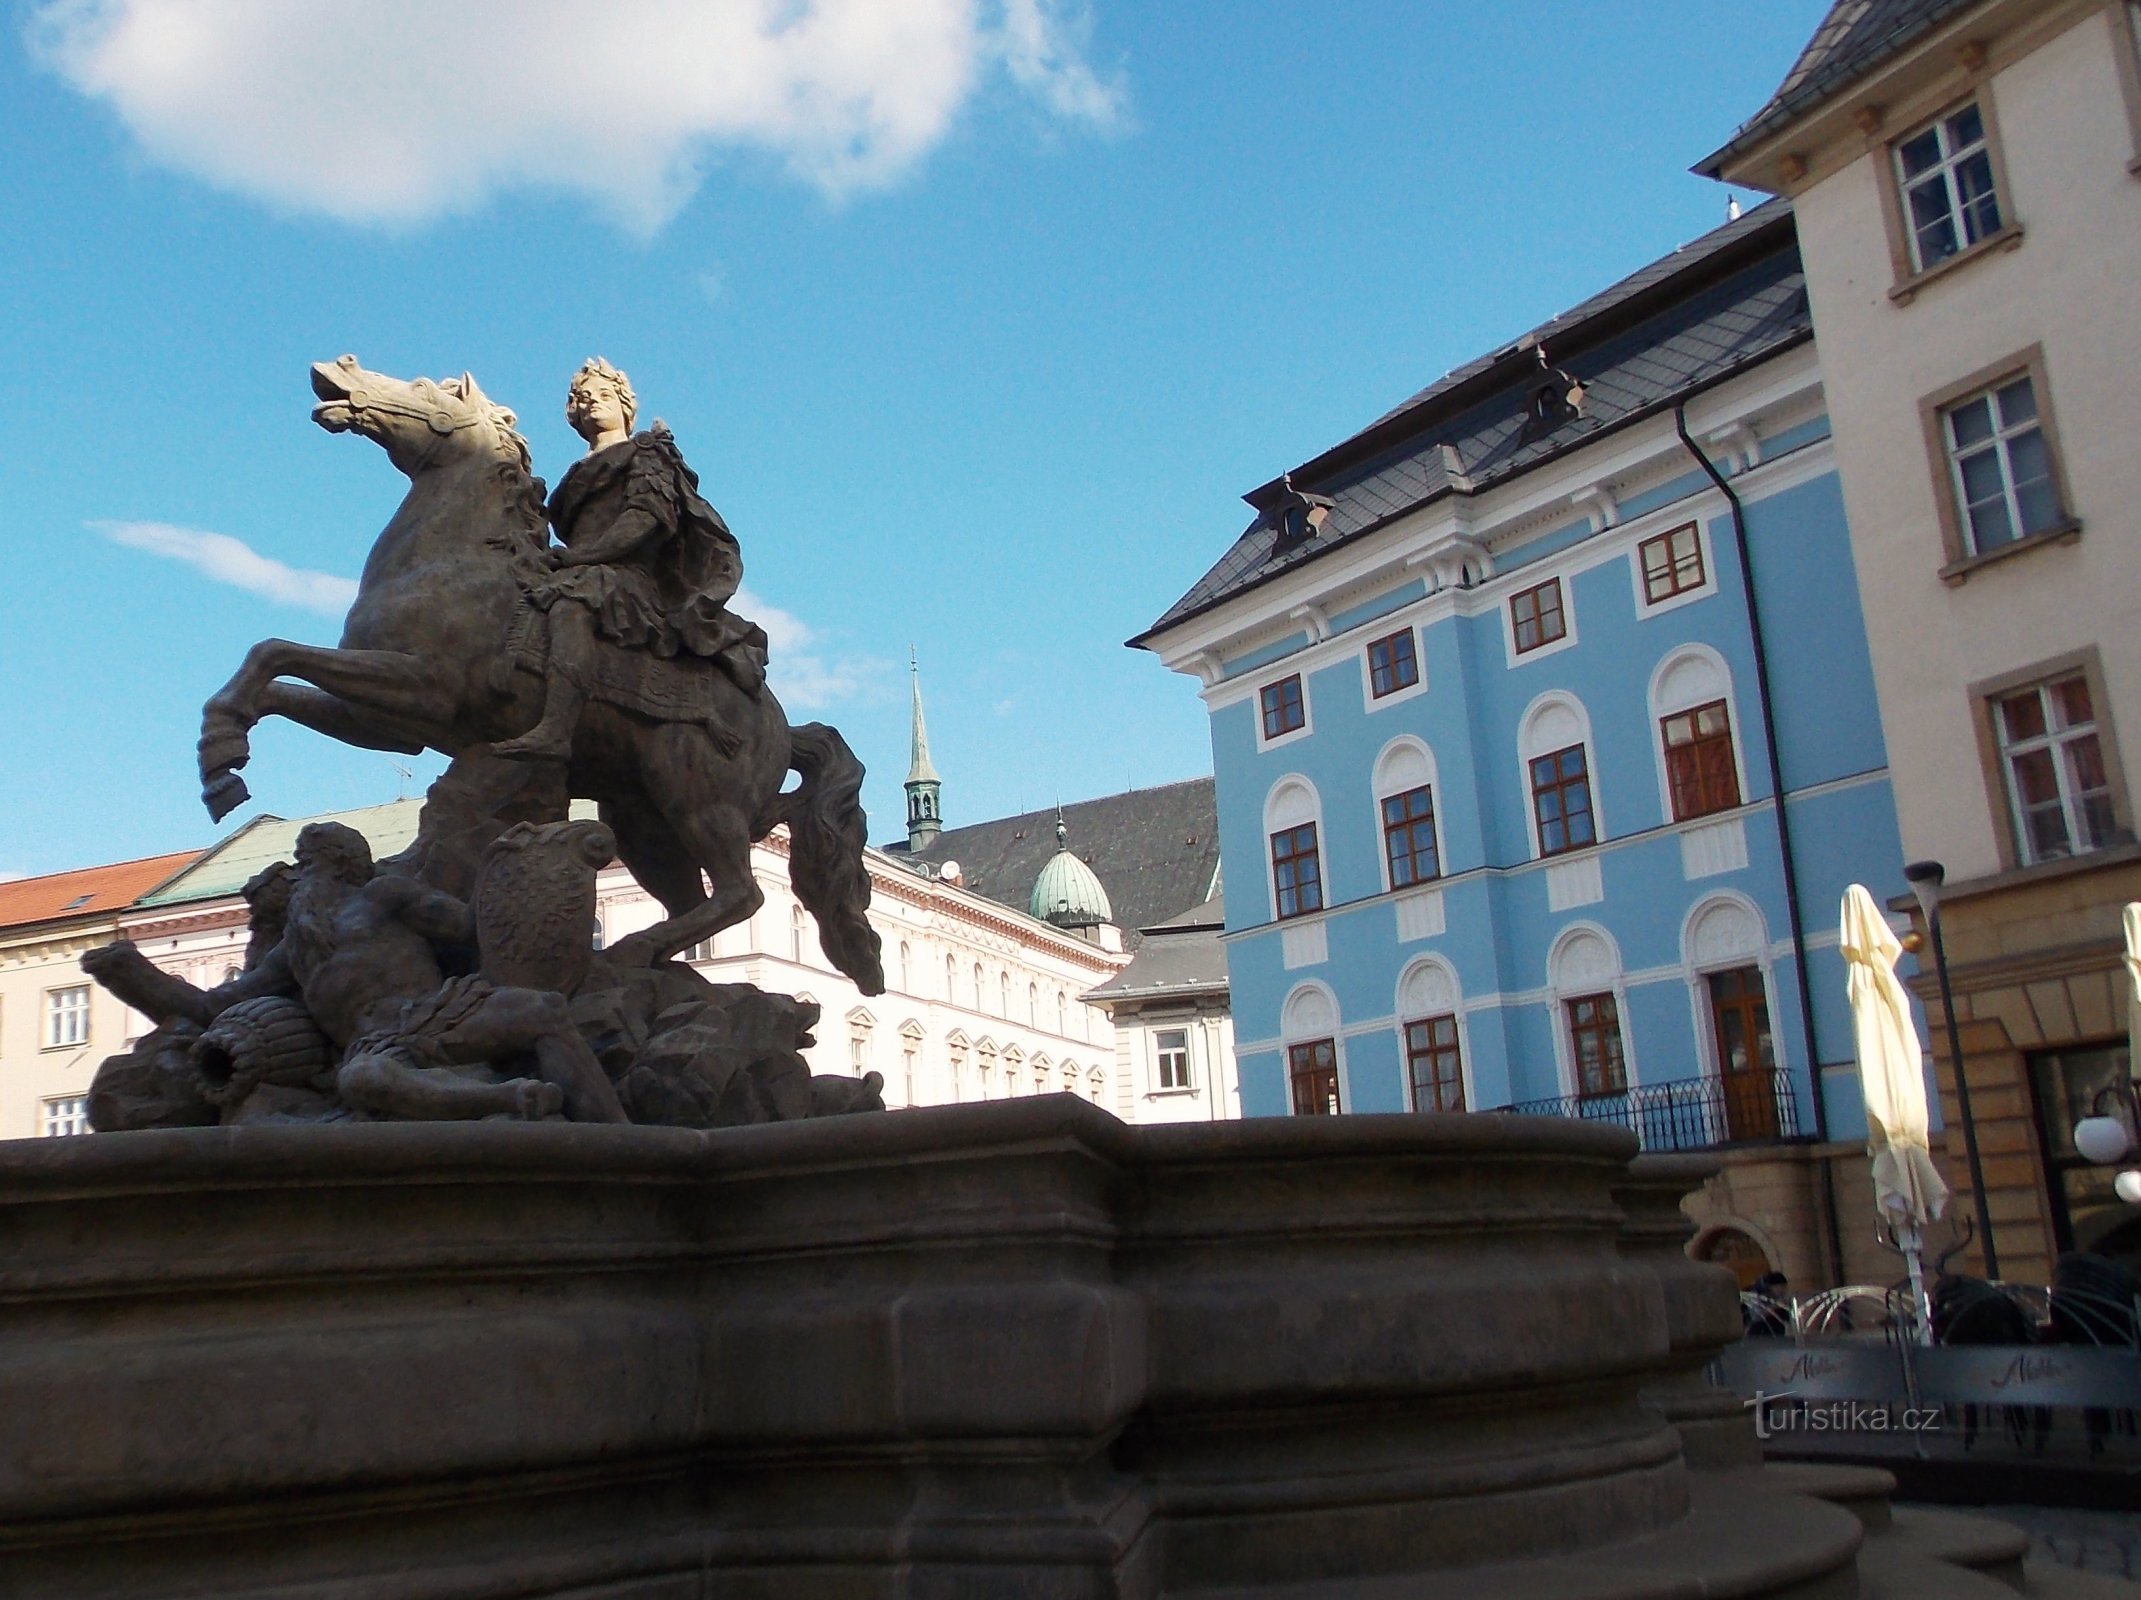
{"points": [[827, 832]]}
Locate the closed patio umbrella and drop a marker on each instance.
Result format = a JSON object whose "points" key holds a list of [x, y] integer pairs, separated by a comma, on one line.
{"points": [[1907, 1187], [2133, 989]]}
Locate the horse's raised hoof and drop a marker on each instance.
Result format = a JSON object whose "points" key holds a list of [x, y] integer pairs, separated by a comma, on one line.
{"points": [[222, 748], [224, 795], [529, 748]]}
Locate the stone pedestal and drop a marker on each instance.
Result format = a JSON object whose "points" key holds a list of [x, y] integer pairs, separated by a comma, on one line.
{"points": [[1016, 1349]]}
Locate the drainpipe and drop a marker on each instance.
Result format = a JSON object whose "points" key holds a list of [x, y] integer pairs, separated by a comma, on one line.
{"points": [[1792, 910]]}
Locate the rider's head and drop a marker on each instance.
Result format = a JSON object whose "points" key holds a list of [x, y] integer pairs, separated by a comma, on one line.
{"points": [[595, 380], [342, 851]]}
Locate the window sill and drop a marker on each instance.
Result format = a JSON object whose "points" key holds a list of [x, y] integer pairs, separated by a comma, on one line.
{"points": [[2006, 238], [1958, 572], [1171, 1094]]}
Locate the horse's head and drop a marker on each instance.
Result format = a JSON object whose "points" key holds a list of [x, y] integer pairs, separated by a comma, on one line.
{"points": [[421, 424]]}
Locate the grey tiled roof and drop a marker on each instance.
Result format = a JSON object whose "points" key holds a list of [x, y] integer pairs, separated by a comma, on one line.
{"points": [[1734, 297], [1181, 956], [1856, 37], [1156, 851]]}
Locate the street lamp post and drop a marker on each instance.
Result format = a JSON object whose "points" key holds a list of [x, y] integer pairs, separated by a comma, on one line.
{"points": [[1925, 878]]}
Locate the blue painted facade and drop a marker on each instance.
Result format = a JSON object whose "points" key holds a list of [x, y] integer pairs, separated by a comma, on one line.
{"points": [[1499, 929]]}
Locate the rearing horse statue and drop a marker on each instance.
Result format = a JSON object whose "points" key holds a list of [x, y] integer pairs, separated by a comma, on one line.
{"points": [[434, 654]]}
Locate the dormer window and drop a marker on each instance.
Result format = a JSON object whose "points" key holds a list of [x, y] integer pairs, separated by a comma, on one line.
{"points": [[1298, 516]]}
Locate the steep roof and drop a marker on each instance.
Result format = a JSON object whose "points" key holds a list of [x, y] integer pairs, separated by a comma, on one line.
{"points": [[1731, 299], [1853, 40], [87, 892], [1154, 850]]}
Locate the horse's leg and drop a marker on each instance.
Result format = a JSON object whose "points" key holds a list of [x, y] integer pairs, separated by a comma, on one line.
{"points": [[379, 681], [338, 719], [654, 855], [694, 792]]}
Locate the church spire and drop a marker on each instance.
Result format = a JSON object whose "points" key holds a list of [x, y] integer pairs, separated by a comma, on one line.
{"points": [[924, 820]]}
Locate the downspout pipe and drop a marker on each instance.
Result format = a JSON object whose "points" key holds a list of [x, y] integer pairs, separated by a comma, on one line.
{"points": [[1792, 910]]}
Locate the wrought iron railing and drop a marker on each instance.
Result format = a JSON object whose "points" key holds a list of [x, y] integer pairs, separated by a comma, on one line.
{"points": [[1688, 1113]]}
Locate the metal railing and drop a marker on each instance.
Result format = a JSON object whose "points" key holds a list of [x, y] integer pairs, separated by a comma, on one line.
{"points": [[1688, 1113]]}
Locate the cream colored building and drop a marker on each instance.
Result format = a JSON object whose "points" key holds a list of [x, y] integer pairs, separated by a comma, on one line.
{"points": [[982, 1001], [55, 1025], [1967, 180]]}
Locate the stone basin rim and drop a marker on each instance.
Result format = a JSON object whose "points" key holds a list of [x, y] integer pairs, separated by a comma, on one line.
{"points": [[1059, 1123]]}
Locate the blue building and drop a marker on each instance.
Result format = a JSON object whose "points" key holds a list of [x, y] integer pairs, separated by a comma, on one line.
{"points": [[1504, 691]]}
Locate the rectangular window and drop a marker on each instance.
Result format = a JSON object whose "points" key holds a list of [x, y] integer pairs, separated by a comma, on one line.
{"points": [[1313, 1068], [2000, 465], [1409, 836], [1284, 710], [2058, 789], [1561, 801], [1945, 174], [57, 1119], [1170, 1056], [702, 951], [1393, 664], [1672, 563], [67, 1016], [1595, 1042], [1699, 768], [1435, 1064], [1296, 872], [1537, 615]]}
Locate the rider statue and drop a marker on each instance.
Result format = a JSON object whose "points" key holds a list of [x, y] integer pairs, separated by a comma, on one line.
{"points": [[645, 563]]}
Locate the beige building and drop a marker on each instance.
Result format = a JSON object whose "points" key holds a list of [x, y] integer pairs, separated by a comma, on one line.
{"points": [[55, 1025], [1967, 180]]}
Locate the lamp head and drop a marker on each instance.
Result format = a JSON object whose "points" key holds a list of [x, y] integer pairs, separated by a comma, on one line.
{"points": [[1925, 879], [2127, 1185], [2101, 1140]]}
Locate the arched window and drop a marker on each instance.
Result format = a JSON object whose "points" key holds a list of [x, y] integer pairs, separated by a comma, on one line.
{"points": [[1293, 817], [1554, 751], [951, 976], [1405, 813], [1584, 972], [1308, 1024], [1062, 1021], [1033, 1005], [1003, 995], [906, 972], [795, 933], [1431, 1036], [1725, 944], [978, 982], [1697, 735]]}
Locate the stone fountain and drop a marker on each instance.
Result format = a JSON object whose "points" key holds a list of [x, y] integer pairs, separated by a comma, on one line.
{"points": [[436, 1257]]}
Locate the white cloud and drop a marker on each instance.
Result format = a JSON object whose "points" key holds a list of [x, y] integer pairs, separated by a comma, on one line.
{"points": [[800, 672], [397, 111], [233, 561]]}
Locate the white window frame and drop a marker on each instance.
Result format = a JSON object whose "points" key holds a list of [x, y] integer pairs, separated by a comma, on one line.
{"points": [[1418, 686], [1161, 1052], [1280, 814], [1531, 744], [1310, 1013], [66, 1020], [1645, 607], [2056, 741], [1682, 698], [1428, 987], [1308, 711], [1564, 985], [1521, 582], [1404, 764], [63, 1116], [1700, 957], [1943, 172], [2001, 447]]}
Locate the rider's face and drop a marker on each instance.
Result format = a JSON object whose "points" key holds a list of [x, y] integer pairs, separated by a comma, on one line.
{"points": [[593, 408]]}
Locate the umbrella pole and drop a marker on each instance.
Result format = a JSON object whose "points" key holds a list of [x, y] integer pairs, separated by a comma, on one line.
{"points": [[1911, 1243]]}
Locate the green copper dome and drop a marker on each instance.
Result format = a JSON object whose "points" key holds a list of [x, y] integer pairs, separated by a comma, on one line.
{"points": [[1067, 893]]}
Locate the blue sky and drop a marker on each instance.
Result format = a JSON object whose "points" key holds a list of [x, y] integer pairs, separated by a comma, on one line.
{"points": [[976, 323]]}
